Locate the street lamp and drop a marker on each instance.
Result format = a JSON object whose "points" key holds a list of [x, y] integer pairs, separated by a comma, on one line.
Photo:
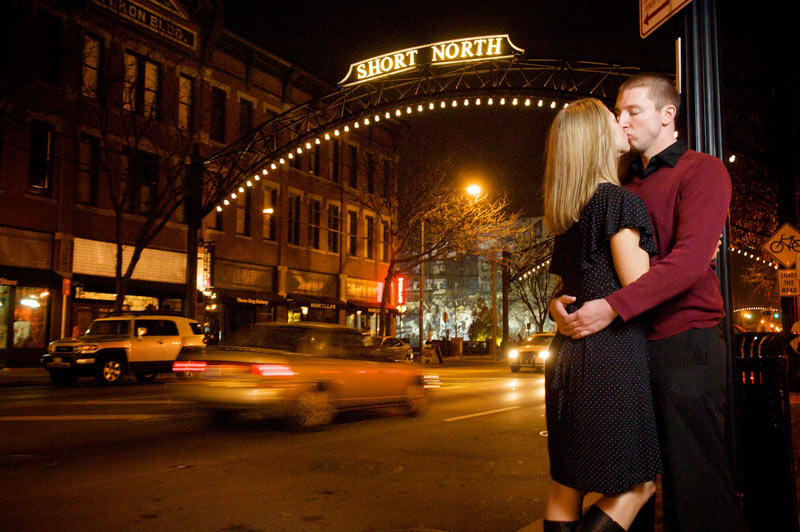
{"points": [[474, 190]]}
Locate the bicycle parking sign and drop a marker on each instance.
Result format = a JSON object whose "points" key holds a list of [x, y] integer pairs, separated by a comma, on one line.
{"points": [[784, 245]]}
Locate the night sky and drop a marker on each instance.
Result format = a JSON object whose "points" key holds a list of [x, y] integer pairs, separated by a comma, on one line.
{"points": [[505, 147]]}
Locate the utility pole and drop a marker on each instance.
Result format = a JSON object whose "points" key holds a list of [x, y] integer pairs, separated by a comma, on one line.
{"points": [[493, 342], [421, 288]]}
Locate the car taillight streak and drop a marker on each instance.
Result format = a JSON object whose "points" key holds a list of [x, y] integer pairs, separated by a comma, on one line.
{"points": [[272, 370], [188, 365]]}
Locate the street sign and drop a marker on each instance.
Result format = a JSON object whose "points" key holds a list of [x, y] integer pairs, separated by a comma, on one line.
{"points": [[653, 13], [788, 285], [784, 245]]}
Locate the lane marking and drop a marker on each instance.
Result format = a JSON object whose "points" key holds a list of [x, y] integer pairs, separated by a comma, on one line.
{"points": [[488, 412], [87, 417], [124, 402]]}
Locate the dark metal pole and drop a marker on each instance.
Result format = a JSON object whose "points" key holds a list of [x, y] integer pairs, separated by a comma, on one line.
{"points": [[701, 75], [506, 279]]}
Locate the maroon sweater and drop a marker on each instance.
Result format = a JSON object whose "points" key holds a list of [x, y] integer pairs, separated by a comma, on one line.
{"points": [[687, 195]]}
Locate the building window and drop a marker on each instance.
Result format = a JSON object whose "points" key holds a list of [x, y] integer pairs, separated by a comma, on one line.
{"points": [[243, 213], [245, 116], [387, 178], [294, 219], [185, 102], [92, 59], [385, 241], [269, 211], [142, 85], [370, 173], [294, 161], [215, 220], [88, 169], [352, 233], [42, 154], [334, 157], [333, 228], [314, 215], [314, 160], [352, 166], [46, 63], [370, 237], [143, 175], [218, 99]]}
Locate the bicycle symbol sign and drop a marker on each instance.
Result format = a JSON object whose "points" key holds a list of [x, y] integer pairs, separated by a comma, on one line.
{"points": [[784, 245]]}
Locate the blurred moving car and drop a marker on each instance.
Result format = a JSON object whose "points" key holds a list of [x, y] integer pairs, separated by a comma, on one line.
{"points": [[145, 344], [391, 348], [302, 371], [531, 353]]}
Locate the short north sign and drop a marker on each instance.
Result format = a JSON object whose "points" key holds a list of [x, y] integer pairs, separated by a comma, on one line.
{"points": [[440, 53], [653, 13]]}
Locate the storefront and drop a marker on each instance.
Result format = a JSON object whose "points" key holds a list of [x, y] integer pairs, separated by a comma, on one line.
{"points": [[232, 311], [26, 309]]}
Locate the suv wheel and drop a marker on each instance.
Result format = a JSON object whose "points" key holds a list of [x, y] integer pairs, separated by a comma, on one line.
{"points": [[144, 377], [108, 371], [63, 378]]}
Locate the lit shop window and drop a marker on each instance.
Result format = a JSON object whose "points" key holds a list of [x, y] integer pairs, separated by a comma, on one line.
{"points": [[5, 306], [30, 317]]}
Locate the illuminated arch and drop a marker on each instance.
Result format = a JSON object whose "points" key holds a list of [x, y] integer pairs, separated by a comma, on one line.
{"points": [[509, 80]]}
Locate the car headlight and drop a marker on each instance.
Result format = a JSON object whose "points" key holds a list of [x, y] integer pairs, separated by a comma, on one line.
{"points": [[51, 348], [513, 354], [544, 354], [87, 348]]}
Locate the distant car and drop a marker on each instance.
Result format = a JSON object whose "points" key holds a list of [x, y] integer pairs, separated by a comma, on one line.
{"points": [[531, 353], [391, 348], [145, 344], [302, 371]]}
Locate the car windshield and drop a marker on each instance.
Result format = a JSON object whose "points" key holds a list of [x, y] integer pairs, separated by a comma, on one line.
{"points": [[104, 328], [283, 338], [317, 341], [539, 340]]}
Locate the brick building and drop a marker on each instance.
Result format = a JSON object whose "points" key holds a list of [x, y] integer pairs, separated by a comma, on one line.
{"points": [[103, 107]]}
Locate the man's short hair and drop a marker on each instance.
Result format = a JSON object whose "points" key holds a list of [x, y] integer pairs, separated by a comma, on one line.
{"points": [[660, 87]]}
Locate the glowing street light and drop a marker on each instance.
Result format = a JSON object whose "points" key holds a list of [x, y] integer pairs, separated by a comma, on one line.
{"points": [[474, 190]]}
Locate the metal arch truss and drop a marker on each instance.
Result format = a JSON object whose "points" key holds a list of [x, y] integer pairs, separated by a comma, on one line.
{"points": [[307, 123]]}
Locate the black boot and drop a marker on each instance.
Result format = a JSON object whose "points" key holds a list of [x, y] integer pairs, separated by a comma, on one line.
{"points": [[646, 518], [596, 520], [559, 526]]}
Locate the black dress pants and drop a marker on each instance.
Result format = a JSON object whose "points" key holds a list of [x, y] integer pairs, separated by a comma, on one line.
{"points": [[688, 379]]}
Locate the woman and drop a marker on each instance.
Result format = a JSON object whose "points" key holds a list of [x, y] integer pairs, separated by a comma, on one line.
{"points": [[600, 421]]}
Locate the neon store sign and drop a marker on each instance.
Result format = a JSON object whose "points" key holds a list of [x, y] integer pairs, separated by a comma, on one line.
{"points": [[440, 53]]}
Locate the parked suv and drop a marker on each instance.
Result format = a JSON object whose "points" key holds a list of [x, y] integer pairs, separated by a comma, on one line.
{"points": [[145, 344]]}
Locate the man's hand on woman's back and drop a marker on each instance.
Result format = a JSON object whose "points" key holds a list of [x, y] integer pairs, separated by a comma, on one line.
{"points": [[592, 317]]}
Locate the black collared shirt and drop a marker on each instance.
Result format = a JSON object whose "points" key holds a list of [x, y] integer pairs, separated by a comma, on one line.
{"points": [[669, 156]]}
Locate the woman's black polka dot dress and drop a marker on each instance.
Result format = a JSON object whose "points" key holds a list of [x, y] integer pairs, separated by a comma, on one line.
{"points": [[601, 427]]}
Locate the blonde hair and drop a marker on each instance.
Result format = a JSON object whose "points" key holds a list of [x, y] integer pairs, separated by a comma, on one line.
{"points": [[581, 151]]}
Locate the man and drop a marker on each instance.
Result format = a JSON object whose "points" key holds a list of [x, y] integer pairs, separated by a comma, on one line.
{"points": [[687, 196]]}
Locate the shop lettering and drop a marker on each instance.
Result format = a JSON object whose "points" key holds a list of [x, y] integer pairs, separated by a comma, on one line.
{"points": [[7, 282], [328, 306], [447, 52], [252, 301], [140, 15]]}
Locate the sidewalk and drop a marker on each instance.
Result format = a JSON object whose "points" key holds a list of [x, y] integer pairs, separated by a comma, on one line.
{"points": [[794, 402], [24, 377]]}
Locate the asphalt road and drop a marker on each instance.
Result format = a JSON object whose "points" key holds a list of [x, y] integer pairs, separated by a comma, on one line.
{"points": [[133, 458]]}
